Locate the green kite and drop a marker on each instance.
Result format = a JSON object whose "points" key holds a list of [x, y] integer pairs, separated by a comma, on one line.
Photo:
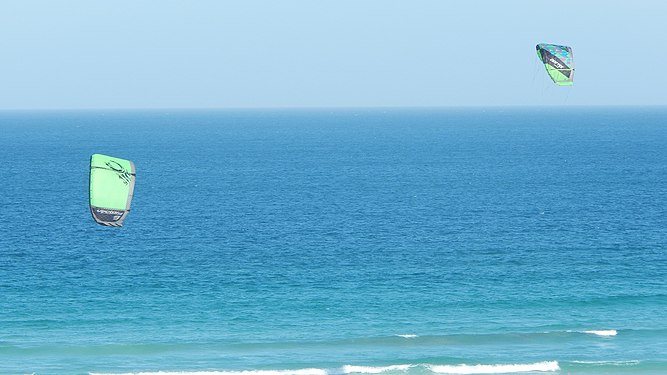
{"points": [[558, 61], [111, 189]]}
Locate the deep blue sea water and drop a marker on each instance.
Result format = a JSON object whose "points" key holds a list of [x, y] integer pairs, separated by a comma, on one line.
{"points": [[329, 242]]}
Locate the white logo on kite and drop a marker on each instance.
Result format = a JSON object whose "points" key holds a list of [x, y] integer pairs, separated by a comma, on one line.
{"points": [[108, 212], [556, 63]]}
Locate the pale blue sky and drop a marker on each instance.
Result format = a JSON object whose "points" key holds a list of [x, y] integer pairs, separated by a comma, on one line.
{"points": [[324, 53]]}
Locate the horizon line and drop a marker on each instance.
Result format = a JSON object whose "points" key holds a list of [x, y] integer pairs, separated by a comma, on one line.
{"points": [[260, 108]]}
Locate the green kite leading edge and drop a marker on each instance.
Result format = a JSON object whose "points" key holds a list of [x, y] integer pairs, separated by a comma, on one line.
{"points": [[558, 61], [111, 189]]}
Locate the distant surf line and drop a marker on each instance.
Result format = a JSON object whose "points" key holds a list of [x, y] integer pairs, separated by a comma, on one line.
{"points": [[458, 369], [601, 332]]}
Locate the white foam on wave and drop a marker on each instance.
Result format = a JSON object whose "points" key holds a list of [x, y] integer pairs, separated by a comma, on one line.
{"points": [[609, 363], [407, 336], [604, 332], [495, 369], [354, 369], [349, 369]]}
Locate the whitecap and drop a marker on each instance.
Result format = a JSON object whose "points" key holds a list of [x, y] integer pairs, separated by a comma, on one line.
{"points": [[604, 332], [609, 363], [495, 369], [350, 369]]}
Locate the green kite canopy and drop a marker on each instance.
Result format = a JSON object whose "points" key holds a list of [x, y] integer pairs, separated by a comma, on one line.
{"points": [[111, 189], [558, 61]]}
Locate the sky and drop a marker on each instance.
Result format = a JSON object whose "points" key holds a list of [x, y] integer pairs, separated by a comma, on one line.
{"points": [[89, 54]]}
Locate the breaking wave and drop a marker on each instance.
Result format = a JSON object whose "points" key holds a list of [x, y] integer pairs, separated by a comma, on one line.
{"points": [[354, 369], [496, 369], [605, 332]]}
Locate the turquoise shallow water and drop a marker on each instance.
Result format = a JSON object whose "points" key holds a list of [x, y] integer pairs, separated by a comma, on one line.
{"points": [[315, 242]]}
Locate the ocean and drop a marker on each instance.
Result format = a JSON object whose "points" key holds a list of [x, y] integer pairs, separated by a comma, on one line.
{"points": [[338, 241]]}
